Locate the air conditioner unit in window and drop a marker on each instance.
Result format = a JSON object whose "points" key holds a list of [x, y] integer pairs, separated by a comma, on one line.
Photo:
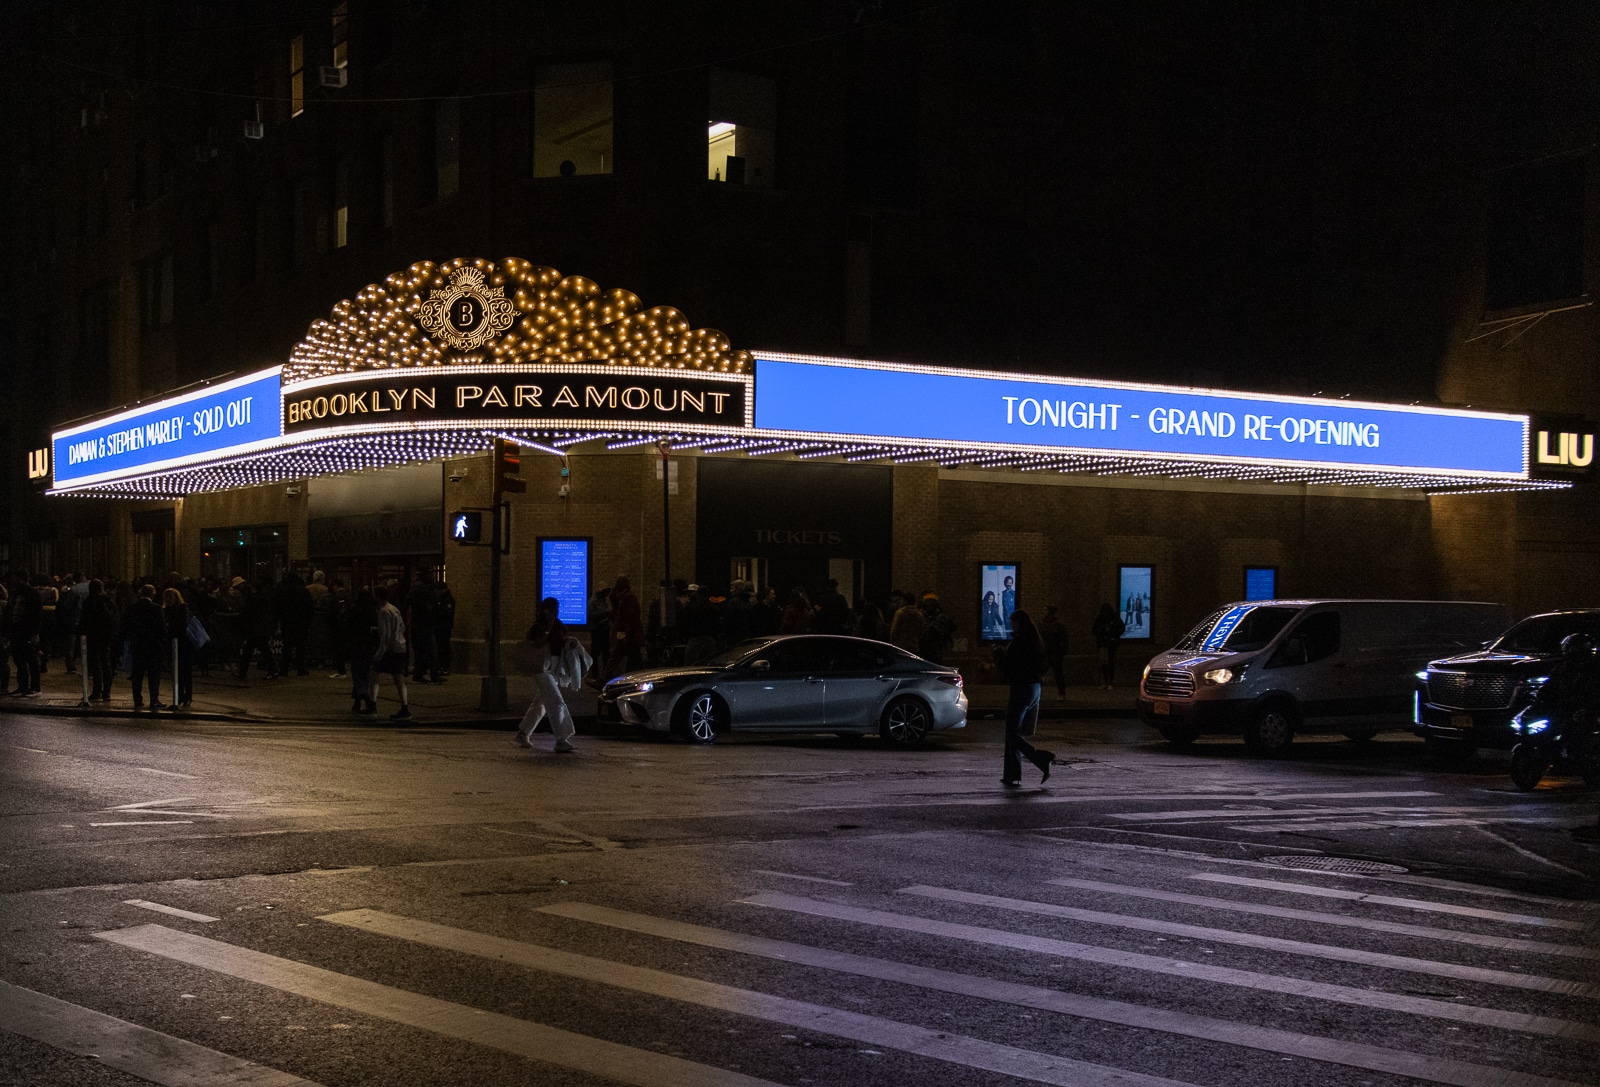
{"points": [[334, 77], [255, 130]]}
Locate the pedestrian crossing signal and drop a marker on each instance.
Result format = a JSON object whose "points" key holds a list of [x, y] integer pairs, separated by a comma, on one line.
{"points": [[466, 527]]}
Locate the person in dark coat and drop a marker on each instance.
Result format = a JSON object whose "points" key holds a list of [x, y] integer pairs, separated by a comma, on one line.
{"points": [[24, 619], [1107, 630], [444, 624], [360, 639], [833, 611], [177, 614], [295, 609], [1022, 663], [98, 623], [146, 631], [701, 624], [421, 629], [258, 621], [738, 614], [627, 628], [1054, 633]]}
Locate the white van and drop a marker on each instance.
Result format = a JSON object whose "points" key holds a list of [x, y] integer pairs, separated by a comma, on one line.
{"points": [[1267, 669]]}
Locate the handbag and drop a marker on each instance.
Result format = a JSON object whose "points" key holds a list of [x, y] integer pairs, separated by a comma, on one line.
{"points": [[196, 630]]}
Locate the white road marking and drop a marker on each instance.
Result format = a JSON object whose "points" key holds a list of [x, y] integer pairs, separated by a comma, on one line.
{"points": [[1310, 1046], [153, 803], [569, 833], [796, 875], [1345, 796], [1420, 904], [166, 773], [1201, 814], [866, 1029], [128, 1047], [1384, 824], [1487, 976], [171, 910], [146, 823], [1530, 854], [1502, 943], [1248, 979], [31, 750], [503, 1032]]}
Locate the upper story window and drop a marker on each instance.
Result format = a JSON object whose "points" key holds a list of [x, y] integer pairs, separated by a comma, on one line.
{"points": [[341, 35], [742, 128], [1535, 234], [297, 75], [572, 119]]}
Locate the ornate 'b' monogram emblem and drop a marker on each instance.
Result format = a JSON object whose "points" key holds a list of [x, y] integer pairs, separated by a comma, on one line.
{"points": [[468, 313]]}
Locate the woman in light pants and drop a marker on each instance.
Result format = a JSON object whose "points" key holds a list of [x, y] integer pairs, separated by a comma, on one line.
{"points": [[549, 637]]}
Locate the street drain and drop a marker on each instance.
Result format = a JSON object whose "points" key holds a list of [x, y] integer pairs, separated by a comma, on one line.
{"points": [[1333, 864]]}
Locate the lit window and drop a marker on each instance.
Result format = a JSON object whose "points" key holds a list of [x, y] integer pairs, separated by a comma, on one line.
{"points": [[341, 203], [572, 119], [297, 75], [341, 35], [741, 132]]}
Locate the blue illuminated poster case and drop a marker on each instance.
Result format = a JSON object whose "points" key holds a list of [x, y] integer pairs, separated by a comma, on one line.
{"points": [[1135, 598], [1260, 582], [564, 574]]}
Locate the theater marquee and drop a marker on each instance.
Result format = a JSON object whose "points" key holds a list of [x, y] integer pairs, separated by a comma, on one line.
{"points": [[624, 397]]}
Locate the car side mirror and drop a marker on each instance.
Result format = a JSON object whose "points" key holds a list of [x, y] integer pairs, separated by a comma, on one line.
{"points": [[761, 666]]}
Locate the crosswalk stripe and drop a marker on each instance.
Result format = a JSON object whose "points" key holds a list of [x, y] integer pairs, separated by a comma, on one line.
{"points": [[921, 1041], [527, 1039], [1238, 811], [1396, 823], [1341, 994], [1397, 928], [1420, 904], [1560, 986], [128, 1047], [1309, 1046]]}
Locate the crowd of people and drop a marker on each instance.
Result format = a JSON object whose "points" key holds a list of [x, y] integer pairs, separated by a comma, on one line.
{"points": [[150, 629]]}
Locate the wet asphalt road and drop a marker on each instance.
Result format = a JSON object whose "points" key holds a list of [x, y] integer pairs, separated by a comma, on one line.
{"points": [[381, 906]]}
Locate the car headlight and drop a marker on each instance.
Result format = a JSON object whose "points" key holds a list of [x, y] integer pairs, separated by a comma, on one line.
{"points": [[1537, 681], [1146, 673], [646, 687], [1218, 676], [1423, 676], [1533, 728]]}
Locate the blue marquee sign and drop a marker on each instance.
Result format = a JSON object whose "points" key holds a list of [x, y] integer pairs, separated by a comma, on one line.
{"points": [[839, 399], [224, 418]]}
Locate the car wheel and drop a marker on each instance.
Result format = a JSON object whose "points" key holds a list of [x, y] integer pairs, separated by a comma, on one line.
{"points": [[1361, 735], [700, 717], [1271, 730], [906, 721], [1528, 765], [1177, 735]]}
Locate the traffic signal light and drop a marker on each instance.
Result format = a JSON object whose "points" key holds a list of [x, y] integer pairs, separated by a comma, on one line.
{"points": [[507, 469], [466, 527]]}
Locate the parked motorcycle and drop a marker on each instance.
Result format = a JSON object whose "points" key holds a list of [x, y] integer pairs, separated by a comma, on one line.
{"points": [[1562, 726]]}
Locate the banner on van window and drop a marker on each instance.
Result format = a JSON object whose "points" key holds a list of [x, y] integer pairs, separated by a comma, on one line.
{"points": [[843, 398]]}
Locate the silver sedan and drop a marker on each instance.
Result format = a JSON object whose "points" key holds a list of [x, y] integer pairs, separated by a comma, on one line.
{"points": [[795, 683]]}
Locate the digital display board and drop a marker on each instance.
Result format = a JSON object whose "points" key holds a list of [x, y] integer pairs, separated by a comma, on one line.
{"points": [[564, 574], [1260, 582], [836, 398], [223, 418], [997, 586], [1134, 598]]}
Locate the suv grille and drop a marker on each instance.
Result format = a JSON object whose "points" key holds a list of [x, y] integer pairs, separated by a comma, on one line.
{"points": [[1471, 690], [1168, 683]]}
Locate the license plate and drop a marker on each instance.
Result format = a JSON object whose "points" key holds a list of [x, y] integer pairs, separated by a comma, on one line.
{"points": [[1460, 720], [1163, 708]]}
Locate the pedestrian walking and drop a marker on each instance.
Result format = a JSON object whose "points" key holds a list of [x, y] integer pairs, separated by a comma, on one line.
{"points": [[176, 613], [24, 616], [1022, 663], [937, 630], [1054, 633], [98, 624], [389, 658], [146, 630], [627, 628], [560, 661], [1107, 630]]}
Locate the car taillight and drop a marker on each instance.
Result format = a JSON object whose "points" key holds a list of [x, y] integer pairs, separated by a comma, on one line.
{"points": [[954, 681]]}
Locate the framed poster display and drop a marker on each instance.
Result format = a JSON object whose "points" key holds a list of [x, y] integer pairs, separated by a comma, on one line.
{"points": [[997, 599], [564, 573], [1135, 598], [1260, 582]]}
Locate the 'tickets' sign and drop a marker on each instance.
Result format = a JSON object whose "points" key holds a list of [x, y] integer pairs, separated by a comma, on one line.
{"points": [[625, 396]]}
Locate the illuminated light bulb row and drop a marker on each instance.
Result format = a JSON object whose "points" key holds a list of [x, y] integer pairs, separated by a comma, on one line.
{"points": [[567, 319]]}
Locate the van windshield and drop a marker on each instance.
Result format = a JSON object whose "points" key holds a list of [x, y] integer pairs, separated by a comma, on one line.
{"points": [[1239, 629]]}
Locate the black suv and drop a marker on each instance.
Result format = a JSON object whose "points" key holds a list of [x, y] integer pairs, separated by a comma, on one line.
{"points": [[1467, 701]]}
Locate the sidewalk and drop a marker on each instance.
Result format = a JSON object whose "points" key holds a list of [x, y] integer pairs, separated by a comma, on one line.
{"points": [[320, 699]]}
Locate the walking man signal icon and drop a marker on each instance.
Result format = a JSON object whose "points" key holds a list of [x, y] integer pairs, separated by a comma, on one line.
{"points": [[466, 527]]}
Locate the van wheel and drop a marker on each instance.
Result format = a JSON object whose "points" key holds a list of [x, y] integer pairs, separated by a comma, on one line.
{"points": [[1528, 765], [1271, 730], [1178, 736]]}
